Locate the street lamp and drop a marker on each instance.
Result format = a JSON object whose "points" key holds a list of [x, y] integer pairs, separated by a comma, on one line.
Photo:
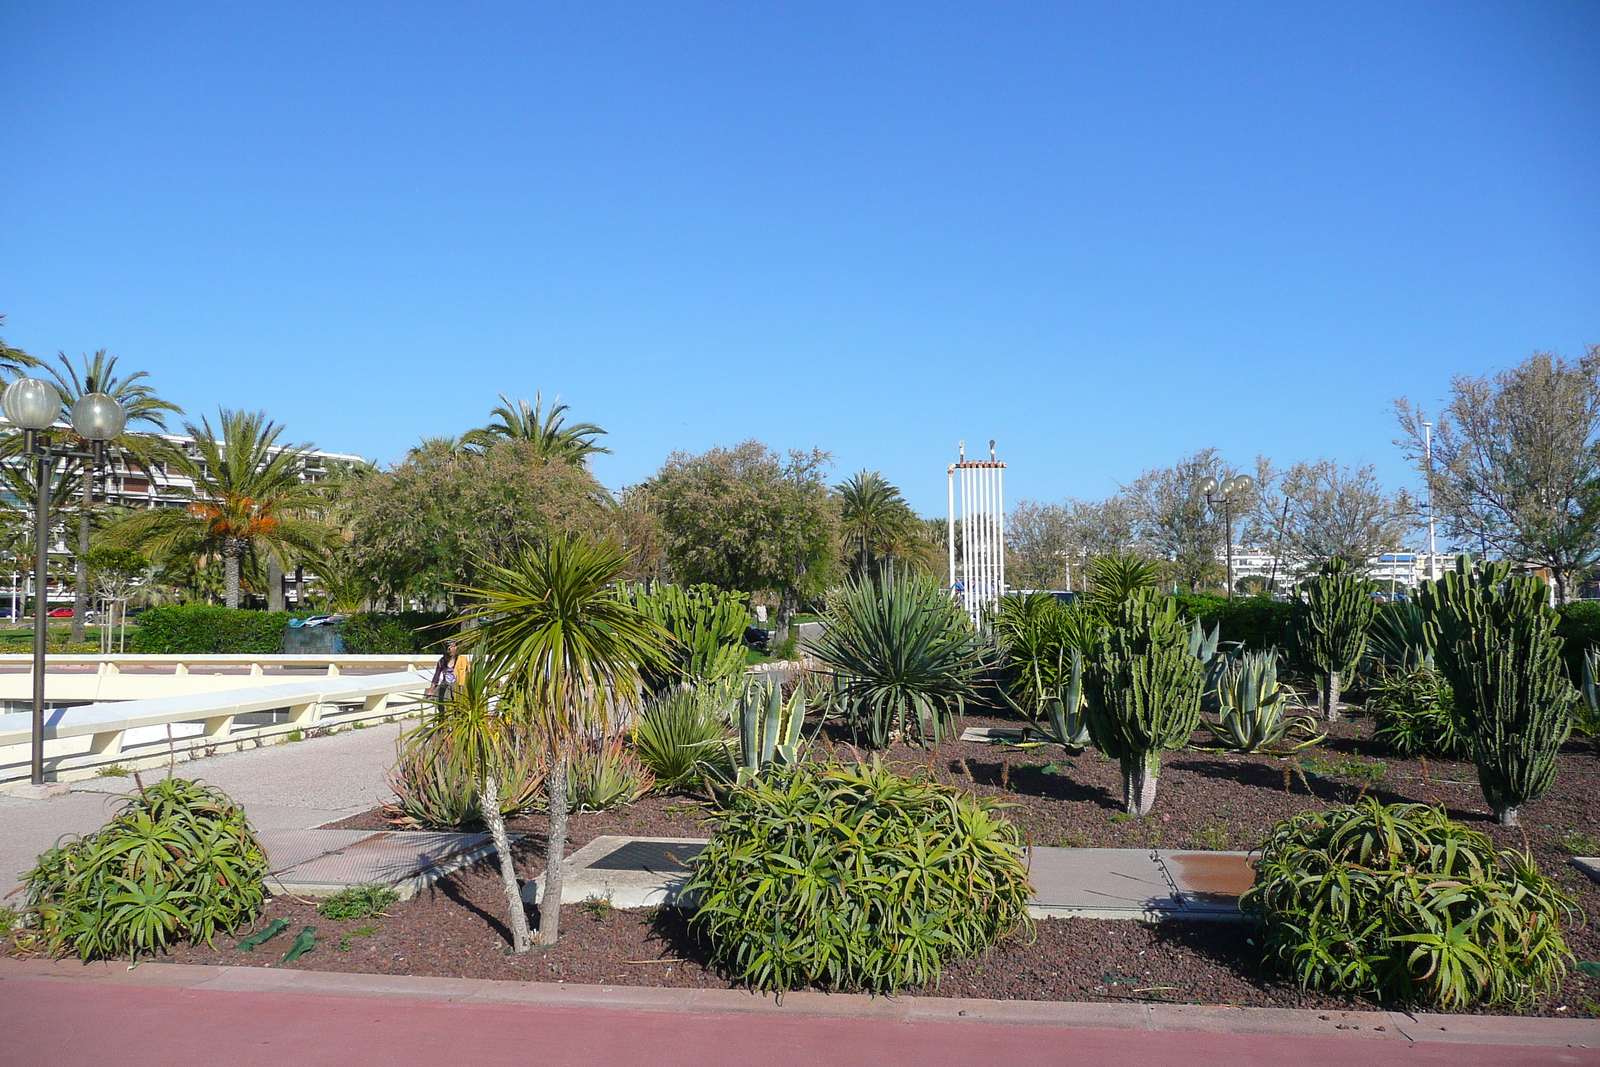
{"points": [[1224, 493], [35, 405]]}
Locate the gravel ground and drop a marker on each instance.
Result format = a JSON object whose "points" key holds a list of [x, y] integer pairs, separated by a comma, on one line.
{"points": [[1206, 800]]}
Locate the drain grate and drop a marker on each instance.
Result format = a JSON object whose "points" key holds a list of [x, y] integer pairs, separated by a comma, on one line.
{"points": [[655, 857]]}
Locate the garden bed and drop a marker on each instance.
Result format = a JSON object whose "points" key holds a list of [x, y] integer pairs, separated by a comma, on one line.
{"points": [[1206, 800]]}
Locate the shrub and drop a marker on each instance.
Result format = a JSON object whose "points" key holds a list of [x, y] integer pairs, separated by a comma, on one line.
{"points": [[358, 902], [370, 633], [1403, 904], [1414, 715], [708, 626], [1254, 622], [682, 731], [604, 775], [198, 629], [855, 878], [1579, 630], [178, 862], [906, 657]]}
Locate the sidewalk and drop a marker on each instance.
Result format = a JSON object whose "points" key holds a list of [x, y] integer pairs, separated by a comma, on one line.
{"points": [[288, 787], [64, 1014]]}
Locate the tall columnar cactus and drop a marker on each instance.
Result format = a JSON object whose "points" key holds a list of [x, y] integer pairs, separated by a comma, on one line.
{"points": [[1496, 644], [1143, 692], [769, 728], [1335, 614]]}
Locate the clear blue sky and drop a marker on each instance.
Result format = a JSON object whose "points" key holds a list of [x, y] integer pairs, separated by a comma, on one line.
{"points": [[1106, 234]]}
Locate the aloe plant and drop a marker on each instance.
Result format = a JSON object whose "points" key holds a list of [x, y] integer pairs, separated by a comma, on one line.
{"points": [[1588, 714], [1143, 693], [1254, 707]]}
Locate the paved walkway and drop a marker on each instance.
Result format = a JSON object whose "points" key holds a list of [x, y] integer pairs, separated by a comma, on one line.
{"points": [[295, 786], [65, 1014]]}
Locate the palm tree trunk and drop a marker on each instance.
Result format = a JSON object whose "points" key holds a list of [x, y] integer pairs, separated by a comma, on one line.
{"points": [[80, 577], [230, 566], [274, 584], [555, 785], [489, 802]]}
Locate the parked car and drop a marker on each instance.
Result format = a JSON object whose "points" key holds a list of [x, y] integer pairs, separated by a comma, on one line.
{"points": [[61, 613]]}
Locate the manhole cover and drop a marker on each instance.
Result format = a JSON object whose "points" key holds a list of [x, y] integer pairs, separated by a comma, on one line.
{"points": [[656, 857]]}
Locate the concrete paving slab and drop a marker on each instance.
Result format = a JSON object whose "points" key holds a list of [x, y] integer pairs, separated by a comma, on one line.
{"points": [[322, 862], [984, 734], [1589, 865], [1208, 883], [631, 872], [1100, 883]]}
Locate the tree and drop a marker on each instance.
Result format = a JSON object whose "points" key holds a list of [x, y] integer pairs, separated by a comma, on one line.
{"points": [[747, 519], [424, 527], [546, 432], [140, 405], [248, 497], [572, 651], [1047, 544], [13, 360], [1317, 512], [875, 521], [1174, 522], [1515, 462]]}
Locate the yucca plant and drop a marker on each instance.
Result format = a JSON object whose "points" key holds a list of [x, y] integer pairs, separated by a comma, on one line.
{"points": [[1143, 691], [1254, 709], [855, 878], [687, 733], [1114, 579], [1399, 639], [1330, 627], [1497, 646], [1037, 634], [905, 656], [178, 862], [1403, 904]]}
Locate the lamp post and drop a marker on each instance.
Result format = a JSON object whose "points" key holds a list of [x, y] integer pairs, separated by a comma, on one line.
{"points": [[35, 405], [1224, 493]]}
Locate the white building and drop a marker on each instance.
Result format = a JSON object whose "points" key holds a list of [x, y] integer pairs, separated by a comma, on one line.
{"points": [[1403, 570]]}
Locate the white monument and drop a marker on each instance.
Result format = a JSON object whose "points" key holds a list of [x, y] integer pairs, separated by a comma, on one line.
{"points": [[979, 577]]}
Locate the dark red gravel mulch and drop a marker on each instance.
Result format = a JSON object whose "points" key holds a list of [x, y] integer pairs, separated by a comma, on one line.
{"points": [[1205, 800]]}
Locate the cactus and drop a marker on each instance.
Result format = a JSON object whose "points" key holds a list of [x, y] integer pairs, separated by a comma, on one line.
{"points": [[769, 728], [1495, 640], [1251, 704], [1335, 614], [1143, 693]]}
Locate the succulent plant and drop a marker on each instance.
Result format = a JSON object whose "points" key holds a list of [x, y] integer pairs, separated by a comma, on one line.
{"points": [[1254, 707]]}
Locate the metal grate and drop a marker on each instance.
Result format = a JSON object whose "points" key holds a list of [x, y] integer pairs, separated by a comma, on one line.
{"points": [[656, 857]]}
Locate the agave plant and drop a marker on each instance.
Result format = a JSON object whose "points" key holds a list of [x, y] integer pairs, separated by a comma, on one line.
{"points": [[683, 734], [1065, 723], [1586, 716], [769, 728], [905, 656], [1253, 707]]}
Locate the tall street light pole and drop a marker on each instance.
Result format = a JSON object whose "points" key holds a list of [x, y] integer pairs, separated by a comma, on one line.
{"points": [[1427, 438], [1224, 493], [35, 406]]}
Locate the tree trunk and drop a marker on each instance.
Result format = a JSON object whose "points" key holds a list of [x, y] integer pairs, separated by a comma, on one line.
{"points": [[489, 803], [230, 567], [1508, 816], [788, 607], [274, 584], [80, 568], [1139, 775], [1330, 696], [555, 785]]}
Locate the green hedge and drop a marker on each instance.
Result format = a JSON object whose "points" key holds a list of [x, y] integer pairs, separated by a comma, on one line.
{"points": [[1580, 628], [190, 629], [1259, 622]]}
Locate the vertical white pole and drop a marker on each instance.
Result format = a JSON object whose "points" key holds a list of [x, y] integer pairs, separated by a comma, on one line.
{"points": [[950, 525], [1000, 523], [966, 540]]}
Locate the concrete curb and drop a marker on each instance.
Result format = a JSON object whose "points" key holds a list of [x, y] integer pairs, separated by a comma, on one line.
{"points": [[1170, 1018]]}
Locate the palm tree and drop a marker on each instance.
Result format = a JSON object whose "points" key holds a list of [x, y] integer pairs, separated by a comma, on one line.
{"points": [[875, 519], [572, 651], [141, 405], [13, 360], [435, 447], [547, 431], [248, 496]]}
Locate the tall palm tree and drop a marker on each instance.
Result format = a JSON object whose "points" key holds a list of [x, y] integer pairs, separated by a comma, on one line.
{"points": [[142, 407], [547, 431], [13, 360], [571, 650], [875, 518], [248, 496], [435, 447]]}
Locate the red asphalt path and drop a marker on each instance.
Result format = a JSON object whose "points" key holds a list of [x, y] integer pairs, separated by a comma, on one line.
{"points": [[65, 1022]]}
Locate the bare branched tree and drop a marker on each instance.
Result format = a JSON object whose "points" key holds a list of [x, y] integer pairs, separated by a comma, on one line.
{"points": [[1316, 512], [1516, 466], [1049, 544], [1174, 522]]}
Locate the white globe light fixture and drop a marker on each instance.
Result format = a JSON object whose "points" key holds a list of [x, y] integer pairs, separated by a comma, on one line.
{"points": [[98, 417], [32, 404]]}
